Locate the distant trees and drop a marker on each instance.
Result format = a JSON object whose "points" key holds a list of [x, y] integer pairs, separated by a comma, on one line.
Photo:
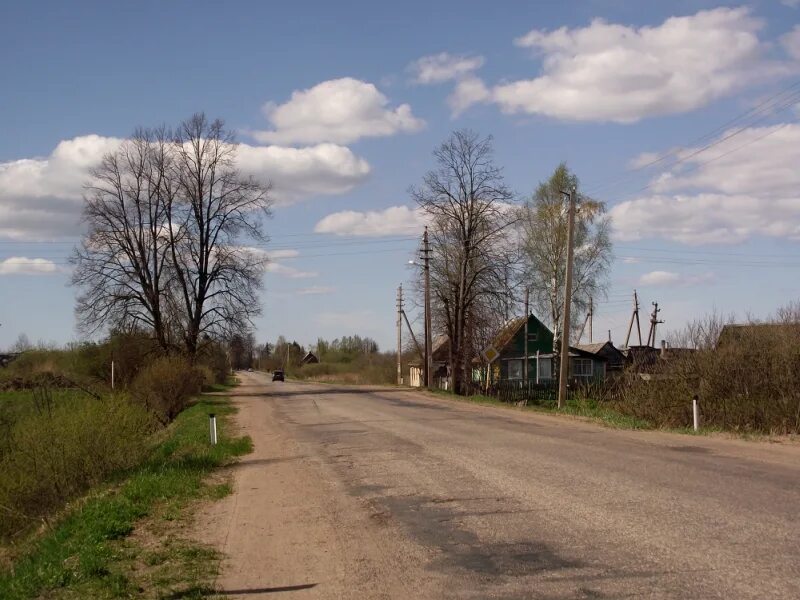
{"points": [[467, 205], [167, 213], [543, 238]]}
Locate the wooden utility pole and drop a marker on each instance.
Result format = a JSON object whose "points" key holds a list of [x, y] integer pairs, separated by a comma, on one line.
{"points": [[426, 257], [564, 370], [654, 322], [527, 312], [400, 335], [634, 315]]}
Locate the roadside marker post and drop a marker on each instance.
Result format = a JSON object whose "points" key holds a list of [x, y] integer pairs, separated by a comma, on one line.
{"points": [[212, 422], [695, 414]]}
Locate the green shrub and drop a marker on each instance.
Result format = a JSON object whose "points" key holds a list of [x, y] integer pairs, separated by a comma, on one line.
{"points": [[61, 449], [166, 385]]}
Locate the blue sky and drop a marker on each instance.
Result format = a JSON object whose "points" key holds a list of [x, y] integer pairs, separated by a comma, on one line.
{"points": [[341, 104]]}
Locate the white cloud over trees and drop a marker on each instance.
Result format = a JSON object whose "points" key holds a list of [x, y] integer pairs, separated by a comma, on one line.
{"points": [[339, 111]]}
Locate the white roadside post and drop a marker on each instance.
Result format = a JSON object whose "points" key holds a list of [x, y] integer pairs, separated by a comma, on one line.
{"points": [[695, 414], [112, 374], [212, 422]]}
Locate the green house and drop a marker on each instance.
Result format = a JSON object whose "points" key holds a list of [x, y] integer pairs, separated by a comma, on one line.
{"points": [[510, 363]]}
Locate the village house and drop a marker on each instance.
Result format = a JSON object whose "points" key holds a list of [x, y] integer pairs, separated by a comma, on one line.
{"points": [[586, 363]]}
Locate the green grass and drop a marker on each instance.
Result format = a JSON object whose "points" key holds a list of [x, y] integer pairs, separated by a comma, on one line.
{"points": [[586, 408], [89, 554], [18, 403]]}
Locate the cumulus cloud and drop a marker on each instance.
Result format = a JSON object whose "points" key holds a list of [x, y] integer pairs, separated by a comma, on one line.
{"points": [[438, 68], [289, 272], [297, 173], [340, 111], [665, 278], [41, 198], [746, 186], [612, 72], [468, 91], [21, 265], [395, 220]]}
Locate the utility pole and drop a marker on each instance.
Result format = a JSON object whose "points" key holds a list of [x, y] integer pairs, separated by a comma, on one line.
{"points": [[591, 316], [527, 312], [564, 371], [654, 322], [400, 335], [634, 315], [426, 257]]}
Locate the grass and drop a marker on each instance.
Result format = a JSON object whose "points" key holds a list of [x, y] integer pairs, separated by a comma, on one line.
{"points": [[18, 403], [91, 552], [585, 408]]}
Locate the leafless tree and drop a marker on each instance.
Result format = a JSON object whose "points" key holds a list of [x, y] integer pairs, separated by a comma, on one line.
{"points": [[122, 266], [214, 208], [543, 228], [467, 205], [169, 221]]}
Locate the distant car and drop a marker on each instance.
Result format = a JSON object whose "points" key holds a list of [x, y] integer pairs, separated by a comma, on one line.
{"points": [[277, 375]]}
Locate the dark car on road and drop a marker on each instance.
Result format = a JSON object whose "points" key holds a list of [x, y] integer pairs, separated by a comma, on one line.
{"points": [[277, 375]]}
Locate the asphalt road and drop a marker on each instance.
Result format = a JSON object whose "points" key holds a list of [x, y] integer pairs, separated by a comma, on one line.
{"points": [[383, 493]]}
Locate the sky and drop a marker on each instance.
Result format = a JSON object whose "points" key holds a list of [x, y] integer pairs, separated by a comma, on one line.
{"points": [[683, 117]]}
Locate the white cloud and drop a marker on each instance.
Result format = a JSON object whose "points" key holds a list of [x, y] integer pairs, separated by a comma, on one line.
{"points": [[21, 265], [438, 68], [791, 3], [468, 91], [395, 220], [746, 186], [316, 290], [41, 198], [277, 254], [611, 72], [664, 278], [297, 173], [340, 111], [791, 42]]}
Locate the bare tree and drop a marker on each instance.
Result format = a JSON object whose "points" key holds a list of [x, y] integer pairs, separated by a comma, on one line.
{"points": [[122, 264], [543, 225], [214, 208], [467, 204], [169, 221]]}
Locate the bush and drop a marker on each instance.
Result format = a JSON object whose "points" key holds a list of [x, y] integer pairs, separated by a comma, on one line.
{"points": [[61, 449], [746, 382], [166, 385]]}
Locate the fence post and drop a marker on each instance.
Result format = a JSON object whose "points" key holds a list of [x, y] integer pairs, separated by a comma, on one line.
{"points": [[212, 423], [695, 413]]}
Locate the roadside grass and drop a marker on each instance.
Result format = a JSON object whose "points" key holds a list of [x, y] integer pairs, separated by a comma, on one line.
{"points": [[18, 403], [118, 541], [584, 408], [221, 387]]}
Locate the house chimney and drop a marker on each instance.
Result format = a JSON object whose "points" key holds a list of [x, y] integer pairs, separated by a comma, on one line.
{"points": [[663, 348]]}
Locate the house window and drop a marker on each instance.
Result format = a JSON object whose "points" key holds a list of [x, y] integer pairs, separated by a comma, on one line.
{"points": [[515, 369], [545, 370], [581, 367], [533, 336]]}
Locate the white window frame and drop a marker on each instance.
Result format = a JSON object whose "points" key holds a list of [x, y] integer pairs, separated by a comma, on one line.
{"points": [[518, 363]]}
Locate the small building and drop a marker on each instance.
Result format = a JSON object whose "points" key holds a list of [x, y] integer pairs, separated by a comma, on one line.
{"points": [[309, 359], [615, 359], [440, 359]]}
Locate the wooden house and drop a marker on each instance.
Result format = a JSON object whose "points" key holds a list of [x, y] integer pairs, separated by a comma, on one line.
{"points": [[585, 365]]}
